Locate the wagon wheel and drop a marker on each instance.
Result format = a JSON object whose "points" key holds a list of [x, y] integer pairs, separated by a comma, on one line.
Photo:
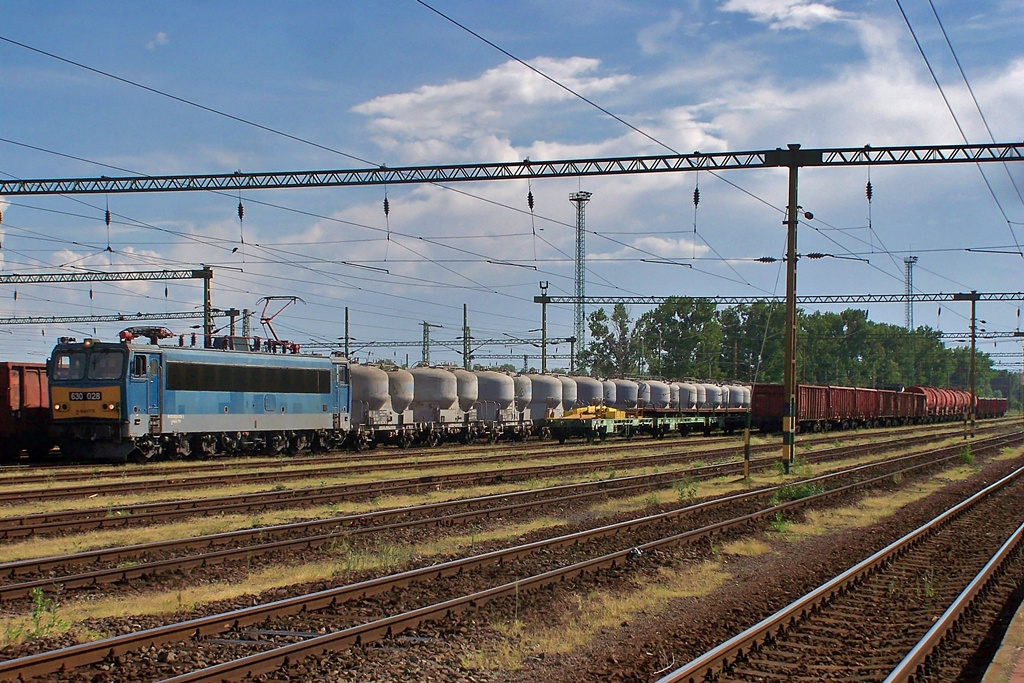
{"points": [[9, 451], [299, 443], [144, 451]]}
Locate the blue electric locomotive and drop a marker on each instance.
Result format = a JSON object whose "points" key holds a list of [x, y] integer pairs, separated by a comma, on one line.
{"points": [[138, 401]]}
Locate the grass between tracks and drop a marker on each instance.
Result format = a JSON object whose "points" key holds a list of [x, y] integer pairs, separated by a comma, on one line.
{"points": [[199, 526], [602, 612], [416, 468], [347, 559]]}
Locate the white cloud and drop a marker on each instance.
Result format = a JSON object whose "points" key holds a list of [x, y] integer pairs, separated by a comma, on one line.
{"points": [[651, 247], [464, 113], [159, 39], [653, 39], [782, 14]]}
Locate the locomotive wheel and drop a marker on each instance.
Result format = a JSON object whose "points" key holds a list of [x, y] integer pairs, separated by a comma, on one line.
{"points": [[9, 451], [179, 448], [299, 444], [144, 451], [204, 447], [40, 449]]}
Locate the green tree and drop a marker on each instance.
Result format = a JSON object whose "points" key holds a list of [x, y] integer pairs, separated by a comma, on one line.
{"points": [[614, 349], [682, 338]]}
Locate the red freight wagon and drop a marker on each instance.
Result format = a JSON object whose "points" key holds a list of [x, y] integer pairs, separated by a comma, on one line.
{"points": [[842, 405], [885, 407], [24, 411], [961, 401], [910, 406], [812, 406], [934, 402], [992, 407], [766, 403], [866, 409]]}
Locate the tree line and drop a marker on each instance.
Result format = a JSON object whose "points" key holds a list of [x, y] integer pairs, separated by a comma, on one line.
{"points": [[692, 337]]}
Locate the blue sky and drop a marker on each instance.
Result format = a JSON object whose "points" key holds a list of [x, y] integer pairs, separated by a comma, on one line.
{"points": [[393, 83]]}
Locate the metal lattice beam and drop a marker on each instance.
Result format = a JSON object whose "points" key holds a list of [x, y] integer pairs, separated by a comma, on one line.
{"points": [[117, 317], [851, 156], [36, 278], [977, 335], [748, 300], [448, 343]]}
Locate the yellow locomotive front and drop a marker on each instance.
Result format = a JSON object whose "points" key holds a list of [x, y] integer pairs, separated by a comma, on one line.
{"points": [[86, 394]]}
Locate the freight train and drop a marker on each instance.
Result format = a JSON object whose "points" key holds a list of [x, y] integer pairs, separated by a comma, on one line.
{"points": [[24, 411], [822, 408], [137, 399]]}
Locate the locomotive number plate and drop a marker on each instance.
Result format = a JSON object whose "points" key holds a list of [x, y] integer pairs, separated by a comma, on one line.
{"points": [[86, 396]]}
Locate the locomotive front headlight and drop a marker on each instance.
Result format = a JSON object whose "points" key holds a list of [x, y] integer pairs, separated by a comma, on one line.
{"points": [[108, 406]]}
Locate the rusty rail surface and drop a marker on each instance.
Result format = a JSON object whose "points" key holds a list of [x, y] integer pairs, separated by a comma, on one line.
{"points": [[144, 513], [712, 662], [558, 494], [325, 467], [88, 653]]}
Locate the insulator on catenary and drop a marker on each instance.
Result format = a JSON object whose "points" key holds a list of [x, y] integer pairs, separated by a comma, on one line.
{"points": [[106, 217], [696, 196], [387, 206], [868, 192], [241, 211], [1, 216], [529, 199]]}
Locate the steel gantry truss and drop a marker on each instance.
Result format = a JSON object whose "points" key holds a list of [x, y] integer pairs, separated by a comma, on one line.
{"points": [[748, 300], [792, 158], [205, 274], [566, 168], [113, 318]]}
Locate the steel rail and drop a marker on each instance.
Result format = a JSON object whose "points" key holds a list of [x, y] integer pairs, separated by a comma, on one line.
{"points": [[125, 515], [88, 653], [336, 467], [918, 656], [51, 473], [267, 662], [557, 494], [707, 664]]}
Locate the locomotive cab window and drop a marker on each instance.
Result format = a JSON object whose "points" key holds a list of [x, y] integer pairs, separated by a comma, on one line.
{"points": [[139, 366], [106, 365], [69, 365]]}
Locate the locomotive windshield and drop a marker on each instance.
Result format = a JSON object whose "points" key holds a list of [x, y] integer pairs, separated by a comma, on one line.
{"points": [[68, 365], [106, 364], [103, 364]]}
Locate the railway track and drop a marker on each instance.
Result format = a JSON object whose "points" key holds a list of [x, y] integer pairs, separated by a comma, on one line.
{"points": [[271, 637], [197, 474], [340, 468], [918, 609], [150, 559], [118, 516]]}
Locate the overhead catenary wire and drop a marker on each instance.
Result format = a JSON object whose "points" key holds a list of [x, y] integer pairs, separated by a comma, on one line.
{"points": [[974, 98], [956, 120], [438, 260]]}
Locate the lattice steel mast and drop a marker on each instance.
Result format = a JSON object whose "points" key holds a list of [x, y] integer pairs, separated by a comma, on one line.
{"points": [[580, 199], [908, 263]]}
